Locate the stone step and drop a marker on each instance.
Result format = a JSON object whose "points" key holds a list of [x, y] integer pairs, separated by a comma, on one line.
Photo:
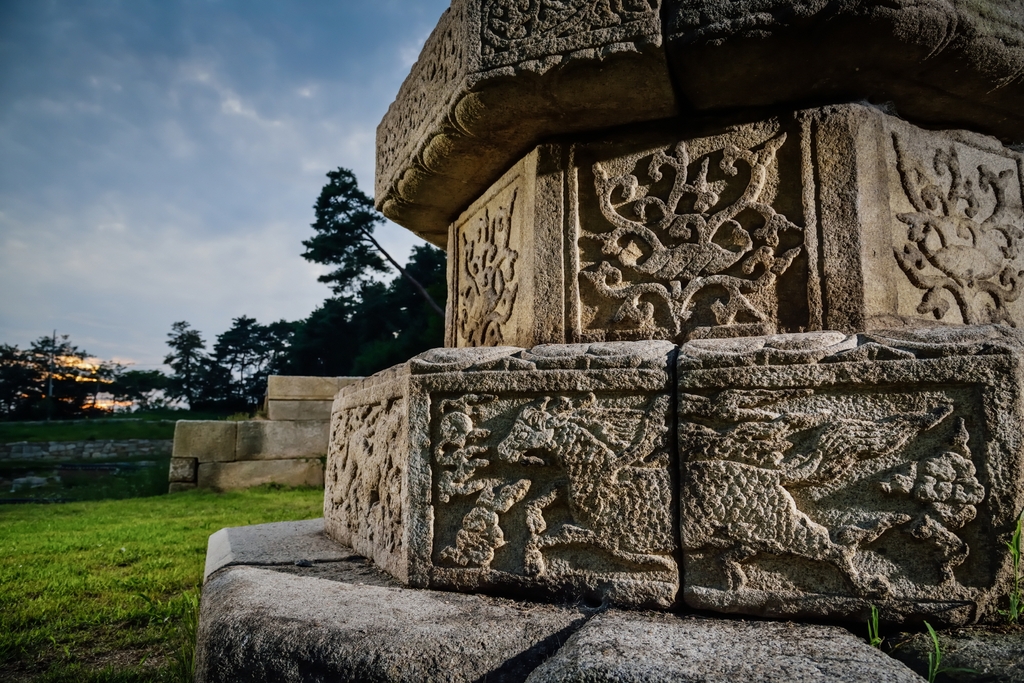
{"points": [[271, 614]]}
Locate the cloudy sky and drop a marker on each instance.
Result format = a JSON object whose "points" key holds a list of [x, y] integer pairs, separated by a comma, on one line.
{"points": [[159, 159]]}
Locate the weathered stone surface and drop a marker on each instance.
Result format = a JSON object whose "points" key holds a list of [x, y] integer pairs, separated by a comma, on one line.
{"points": [[179, 486], [227, 476], [302, 388], [946, 62], [278, 410], [270, 440], [183, 470], [505, 264], [630, 647], [544, 472], [342, 621], [974, 655], [277, 543], [823, 473], [205, 440], [835, 218], [497, 76]]}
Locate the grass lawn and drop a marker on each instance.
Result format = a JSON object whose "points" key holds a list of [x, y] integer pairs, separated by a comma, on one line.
{"points": [[107, 590]]}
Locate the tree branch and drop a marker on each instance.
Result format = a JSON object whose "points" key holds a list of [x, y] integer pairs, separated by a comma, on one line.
{"points": [[415, 283]]}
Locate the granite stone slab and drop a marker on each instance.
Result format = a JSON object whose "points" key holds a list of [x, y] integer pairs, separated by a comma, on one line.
{"points": [[638, 647], [840, 217], [276, 543], [344, 621], [543, 473], [824, 473]]}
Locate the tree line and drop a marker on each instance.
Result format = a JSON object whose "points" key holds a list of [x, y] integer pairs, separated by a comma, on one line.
{"points": [[365, 325]]}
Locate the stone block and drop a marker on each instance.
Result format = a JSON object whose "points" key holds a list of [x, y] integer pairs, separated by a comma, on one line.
{"points": [[302, 388], [493, 79], [840, 217], [542, 473], [205, 440], [342, 621], [949, 63], [179, 486], [299, 410], [824, 473], [271, 440], [637, 647], [183, 470], [277, 543], [228, 476]]}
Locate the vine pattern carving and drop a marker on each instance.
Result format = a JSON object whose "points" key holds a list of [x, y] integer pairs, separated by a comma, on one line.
{"points": [[607, 465], [661, 256], [951, 251], [487, 280], [510, 23]]}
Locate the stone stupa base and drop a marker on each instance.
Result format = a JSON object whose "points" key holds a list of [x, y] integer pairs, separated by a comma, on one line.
{"points": [[282, 602]]}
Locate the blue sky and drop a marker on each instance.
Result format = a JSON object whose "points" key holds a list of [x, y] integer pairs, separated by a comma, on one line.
{"points": [[159, 160]]}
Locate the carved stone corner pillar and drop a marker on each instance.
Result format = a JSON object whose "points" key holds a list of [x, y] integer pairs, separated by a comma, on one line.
{"points": [[544, 473], [825, 473], [840, 217]]}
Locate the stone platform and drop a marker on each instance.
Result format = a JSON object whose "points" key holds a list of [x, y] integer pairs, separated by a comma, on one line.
{"points": [[805, 475], [282, 602]]}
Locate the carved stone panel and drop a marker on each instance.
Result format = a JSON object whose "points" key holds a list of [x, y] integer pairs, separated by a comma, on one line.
{"points": [[700, 237], [544, 473], [841, 217], [364, 482], [505, 260], [960, 229], [822, 474]]}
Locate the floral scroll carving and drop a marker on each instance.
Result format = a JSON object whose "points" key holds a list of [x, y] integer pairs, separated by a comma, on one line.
{"points": [[683, 249], [956, 254], [487, 276], [510, 23]]}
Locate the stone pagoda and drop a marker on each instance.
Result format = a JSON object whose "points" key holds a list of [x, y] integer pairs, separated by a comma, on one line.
{"points": [[734, 290]]}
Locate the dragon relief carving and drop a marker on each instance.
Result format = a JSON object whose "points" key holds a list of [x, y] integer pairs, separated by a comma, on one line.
{"points": [[950, 251], [739, 502], [487, 279], [509, 23], [607, 465], [660, 257]]}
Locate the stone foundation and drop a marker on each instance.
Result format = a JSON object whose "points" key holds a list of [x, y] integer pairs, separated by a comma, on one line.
{"points": [[813, 474], [281, 602]]}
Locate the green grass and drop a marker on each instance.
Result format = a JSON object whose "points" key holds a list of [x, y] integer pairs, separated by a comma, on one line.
{"points": [[104, 591]]}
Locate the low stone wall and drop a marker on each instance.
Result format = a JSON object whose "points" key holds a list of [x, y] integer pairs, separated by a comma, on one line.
{"points": [[235, 455], [83, 450]]}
